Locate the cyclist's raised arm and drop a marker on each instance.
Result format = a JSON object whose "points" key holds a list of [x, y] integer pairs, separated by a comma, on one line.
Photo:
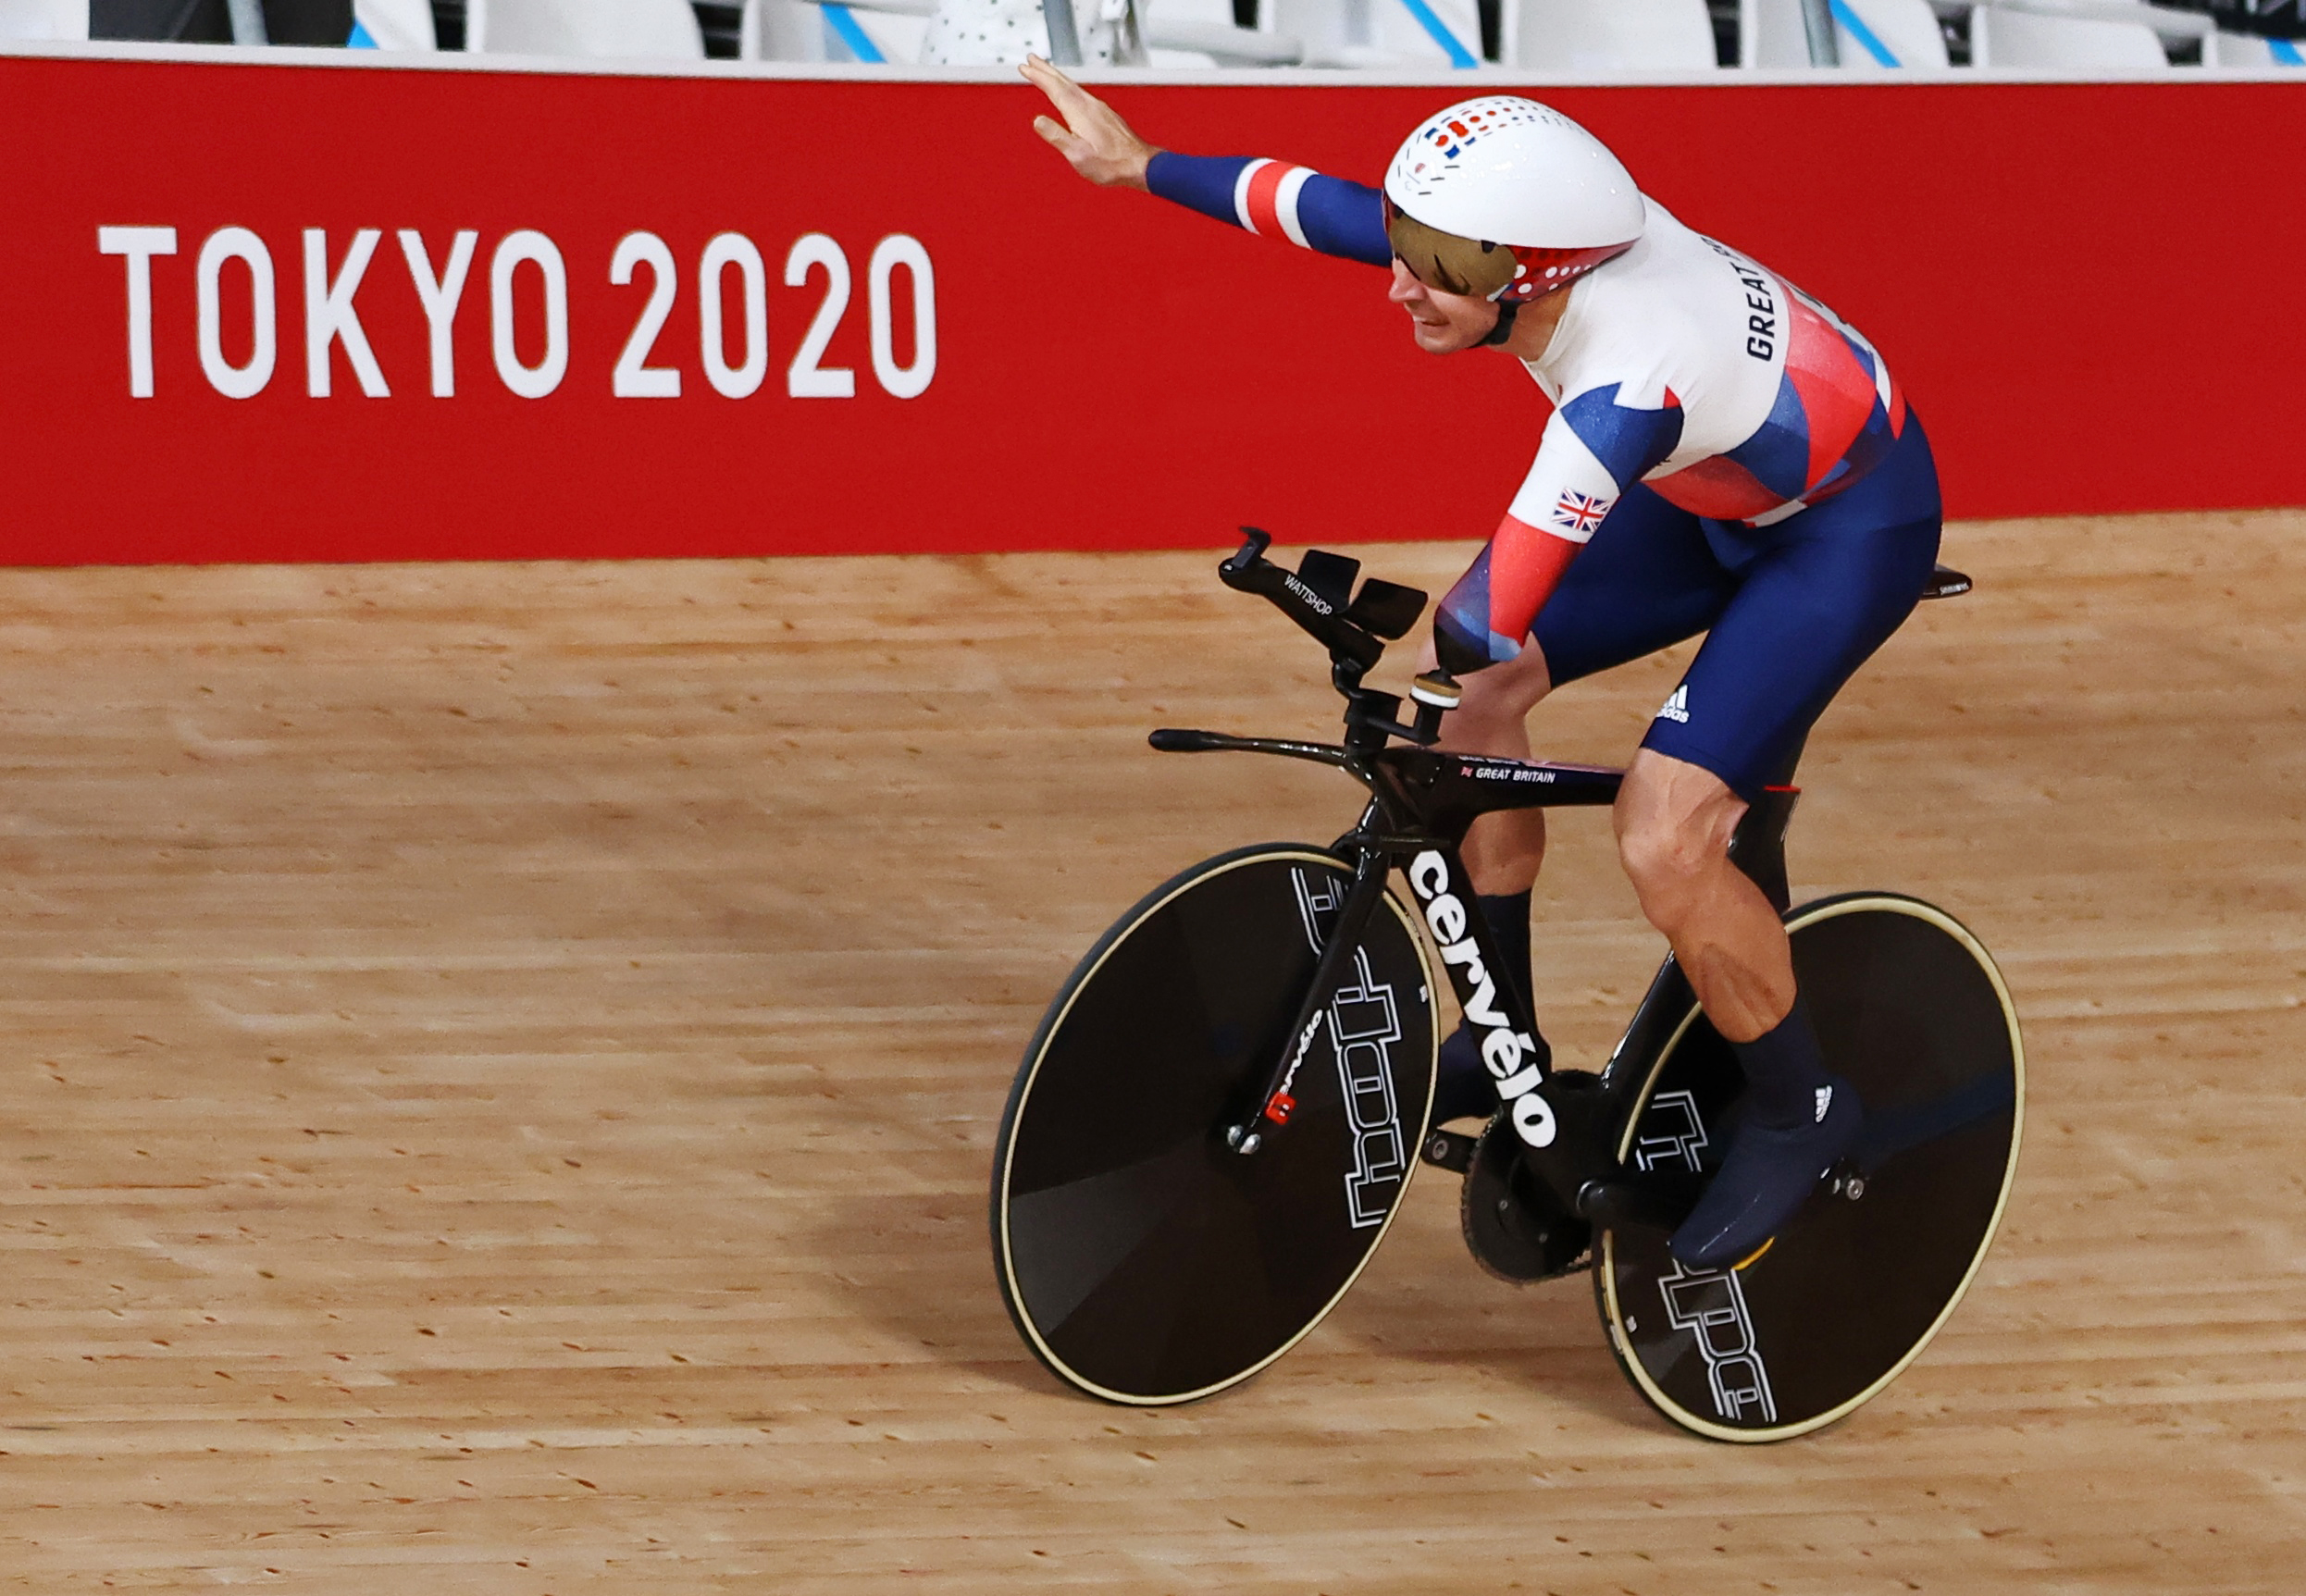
{"points": [[1100, 146], [1593, 449], [1270, 197]]}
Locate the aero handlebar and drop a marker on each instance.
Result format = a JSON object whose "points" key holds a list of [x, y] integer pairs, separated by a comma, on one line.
{"points": [[1323, 615]]}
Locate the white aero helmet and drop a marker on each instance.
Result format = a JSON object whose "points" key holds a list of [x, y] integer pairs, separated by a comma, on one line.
{"points": [[1506, 199]]}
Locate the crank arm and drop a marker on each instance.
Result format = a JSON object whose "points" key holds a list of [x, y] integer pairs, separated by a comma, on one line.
{"points": [[1650, 1202]]}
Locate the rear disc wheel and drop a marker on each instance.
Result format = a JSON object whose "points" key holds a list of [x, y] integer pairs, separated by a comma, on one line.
{"points": [[1909, 1009]]}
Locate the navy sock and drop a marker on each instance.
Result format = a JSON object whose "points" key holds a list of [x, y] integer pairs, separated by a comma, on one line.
{"points": [[1507, 917], [1464, 1089], [1784, 1069]]}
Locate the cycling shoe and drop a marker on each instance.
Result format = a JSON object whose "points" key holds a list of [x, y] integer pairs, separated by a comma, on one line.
{"points": [[1769, 1172]]}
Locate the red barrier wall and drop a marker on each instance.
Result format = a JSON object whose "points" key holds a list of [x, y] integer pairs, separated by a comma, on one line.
{"points": [[2089, 291]]}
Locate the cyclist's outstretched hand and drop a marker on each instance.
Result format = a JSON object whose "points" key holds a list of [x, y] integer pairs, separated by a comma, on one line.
{"points": [[1101, 146]]}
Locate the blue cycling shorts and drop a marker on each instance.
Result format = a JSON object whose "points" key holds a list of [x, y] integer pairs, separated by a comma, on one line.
{"points": [[1790, 609]]}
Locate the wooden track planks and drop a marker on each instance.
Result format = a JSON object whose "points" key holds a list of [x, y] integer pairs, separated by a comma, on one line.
{"points": [[501, 1063]]}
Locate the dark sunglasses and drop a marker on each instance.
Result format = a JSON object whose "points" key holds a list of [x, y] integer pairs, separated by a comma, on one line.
{"points": [[1446, 262]]}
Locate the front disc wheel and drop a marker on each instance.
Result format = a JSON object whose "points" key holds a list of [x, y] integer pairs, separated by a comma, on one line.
{"points": [[1142, 1258]]}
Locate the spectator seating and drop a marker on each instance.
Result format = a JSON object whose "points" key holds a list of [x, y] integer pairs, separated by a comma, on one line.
{"points": [[1401, 35], [1566, 37], [2004, 36], [1612, 35], [1869, 35], [995, 32], [393, 25], [2246, 50], [1888, 35], [894, 34], [1185, 33], [883, 31], [2172, 25], [630, 27], [1192, 13], [43, 21], [785, 30]]}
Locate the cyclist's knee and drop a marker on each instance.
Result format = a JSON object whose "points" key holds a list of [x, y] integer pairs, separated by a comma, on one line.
{"points": [[1674, 822], [1668, 864]]}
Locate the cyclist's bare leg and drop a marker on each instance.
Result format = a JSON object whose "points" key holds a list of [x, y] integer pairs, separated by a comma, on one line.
{"points": [[1674, 821], [1502, 851]]}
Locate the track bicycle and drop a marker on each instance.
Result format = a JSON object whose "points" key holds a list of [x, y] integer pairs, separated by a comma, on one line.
{"points": [[1216, 1121]]}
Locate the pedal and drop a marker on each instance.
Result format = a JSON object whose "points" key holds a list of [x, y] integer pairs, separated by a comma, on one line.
{"points": [[1447, 1150]]}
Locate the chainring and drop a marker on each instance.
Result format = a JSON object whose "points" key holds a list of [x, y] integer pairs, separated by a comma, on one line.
{"points": [[1514, 1225]]}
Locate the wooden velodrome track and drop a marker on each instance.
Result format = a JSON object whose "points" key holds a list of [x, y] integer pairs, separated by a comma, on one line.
{"points": [[501, 1064]]}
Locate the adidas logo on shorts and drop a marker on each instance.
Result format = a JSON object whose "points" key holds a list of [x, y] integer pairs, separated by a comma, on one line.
{"points": [[1677, 707]]}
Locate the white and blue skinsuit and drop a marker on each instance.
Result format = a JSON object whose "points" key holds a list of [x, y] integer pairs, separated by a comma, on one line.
{"points": [[1726, 455]]}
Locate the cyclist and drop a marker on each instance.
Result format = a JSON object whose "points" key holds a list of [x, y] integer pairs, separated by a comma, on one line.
{"points": [[1725, 455]]}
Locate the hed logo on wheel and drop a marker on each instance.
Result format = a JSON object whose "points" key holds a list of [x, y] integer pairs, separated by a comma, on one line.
{"points": [[1365, 1023], [1710, 1305]]}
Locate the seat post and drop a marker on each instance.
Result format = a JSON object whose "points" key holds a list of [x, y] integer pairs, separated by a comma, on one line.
{"points": [[1758, 846]]}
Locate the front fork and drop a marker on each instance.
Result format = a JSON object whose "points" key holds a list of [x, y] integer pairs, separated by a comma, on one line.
{"points": [[1275, 1104]]}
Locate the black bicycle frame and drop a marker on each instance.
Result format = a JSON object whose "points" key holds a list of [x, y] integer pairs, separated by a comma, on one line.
{"points": [[1421, 803]]}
